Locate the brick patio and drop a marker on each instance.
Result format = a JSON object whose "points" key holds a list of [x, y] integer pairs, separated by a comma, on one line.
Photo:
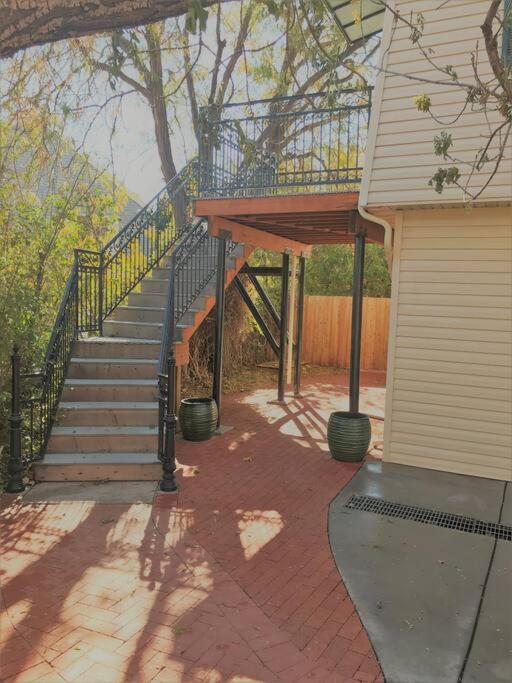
{"points": [[231, 580]]}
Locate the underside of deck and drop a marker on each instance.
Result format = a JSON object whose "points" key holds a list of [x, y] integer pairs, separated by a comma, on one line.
{"points": [[289, 221]]}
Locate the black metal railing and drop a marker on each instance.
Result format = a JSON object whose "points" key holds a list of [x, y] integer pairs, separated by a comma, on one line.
{"points": [[193, 265], [106, 277], [287, 144], [98, 282]]}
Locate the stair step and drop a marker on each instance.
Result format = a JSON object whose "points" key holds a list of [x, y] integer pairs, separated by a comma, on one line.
{"points": [[125, 390], [103, 430], [109, 405], [154, 285], [117, 347], [138, 299], [103, 439], [98, 467], [98, 413], [143, 314], [123, 458], [112, 368], [161, 273], [138, 330]]}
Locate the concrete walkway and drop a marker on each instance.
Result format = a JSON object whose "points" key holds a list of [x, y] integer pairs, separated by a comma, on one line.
{"points": [[231, 580], [436, 602]]}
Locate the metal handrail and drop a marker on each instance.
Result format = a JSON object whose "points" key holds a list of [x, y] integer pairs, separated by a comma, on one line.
{"points": [[284, 148], [86, 301]]}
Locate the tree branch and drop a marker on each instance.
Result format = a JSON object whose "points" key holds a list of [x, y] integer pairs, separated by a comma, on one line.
{"points": [[32, 22], [491, 46]]}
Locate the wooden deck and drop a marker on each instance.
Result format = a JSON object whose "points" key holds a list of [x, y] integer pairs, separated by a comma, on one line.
{"points": [[289, 221]]}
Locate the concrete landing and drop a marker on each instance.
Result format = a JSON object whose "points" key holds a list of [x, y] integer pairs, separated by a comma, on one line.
{"points": [[418, 587], [124, 492]]}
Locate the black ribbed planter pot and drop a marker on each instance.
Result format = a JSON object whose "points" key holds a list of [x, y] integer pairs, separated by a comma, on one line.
{"points": [[198, 418], [348, 435]]}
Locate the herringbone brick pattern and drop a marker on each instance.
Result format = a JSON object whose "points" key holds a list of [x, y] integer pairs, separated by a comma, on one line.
{"points": [[231, 580]]}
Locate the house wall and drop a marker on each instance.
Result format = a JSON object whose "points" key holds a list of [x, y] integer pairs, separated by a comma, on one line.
{"points": [[400, 158], [449, 376]]}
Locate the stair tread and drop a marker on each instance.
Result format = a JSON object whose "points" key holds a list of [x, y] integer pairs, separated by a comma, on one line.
{"points": [[120, 361], [131, 322], [98, 459], [109, 405], [141, 308], [118, 340], [104, 430], [112, 382]]}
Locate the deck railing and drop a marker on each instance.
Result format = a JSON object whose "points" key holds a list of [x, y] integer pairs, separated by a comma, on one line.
{"points": [[283, 145]]}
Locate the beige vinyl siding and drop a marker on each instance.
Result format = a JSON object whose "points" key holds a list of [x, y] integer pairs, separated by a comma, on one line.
{"points": [[400, 158], [449, 403]]}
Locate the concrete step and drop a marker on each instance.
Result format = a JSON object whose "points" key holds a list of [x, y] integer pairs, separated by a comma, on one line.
{"points": [[112, 368], [105, 413], [139, 390], [134, 314], [154, 286], [117, 347], [120, 328], [137, 299], [157, 300], [161, 272], [103, 439], [98, 467]]}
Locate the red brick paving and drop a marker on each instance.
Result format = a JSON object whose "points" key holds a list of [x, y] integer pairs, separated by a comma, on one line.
{"points": [[230, 581]]}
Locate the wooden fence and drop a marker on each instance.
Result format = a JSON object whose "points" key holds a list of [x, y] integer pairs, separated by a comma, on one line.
{"points": [[327, 326]]}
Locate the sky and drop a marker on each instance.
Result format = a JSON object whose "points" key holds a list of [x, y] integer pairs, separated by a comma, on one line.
{"points": [[132, 148]]}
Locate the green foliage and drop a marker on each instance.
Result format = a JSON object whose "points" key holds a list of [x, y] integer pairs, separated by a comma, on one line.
{"points": [[442, 144], [38, 233], [329, 271], [443, 177], [197, 17], [423, 102]]}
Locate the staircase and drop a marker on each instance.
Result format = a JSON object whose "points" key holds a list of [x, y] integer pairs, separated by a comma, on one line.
{"points": [[106, 421]]}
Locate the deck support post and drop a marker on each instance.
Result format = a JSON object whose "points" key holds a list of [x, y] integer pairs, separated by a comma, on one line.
{"points": [[283, 329], [300, 324], [357, 319], [219, 324], [291, 320]]}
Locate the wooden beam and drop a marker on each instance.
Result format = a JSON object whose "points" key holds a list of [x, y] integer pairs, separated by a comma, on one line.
{"points": [[372, 231], [218, 225], [293, 204]]}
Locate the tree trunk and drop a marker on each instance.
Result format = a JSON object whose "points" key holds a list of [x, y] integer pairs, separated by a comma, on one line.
{"points": [[155, 87], [32, 22]]}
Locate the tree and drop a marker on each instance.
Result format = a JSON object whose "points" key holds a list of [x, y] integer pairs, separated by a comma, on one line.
{"points": [[51, 201], [245, 48], [491, 95]]}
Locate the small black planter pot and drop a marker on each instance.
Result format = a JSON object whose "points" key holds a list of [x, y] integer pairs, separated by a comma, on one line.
{"points": [[198, 418], [348, 435]]}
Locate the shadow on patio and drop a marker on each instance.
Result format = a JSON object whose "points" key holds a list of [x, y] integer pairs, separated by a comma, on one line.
{"points": [[232, 580]]}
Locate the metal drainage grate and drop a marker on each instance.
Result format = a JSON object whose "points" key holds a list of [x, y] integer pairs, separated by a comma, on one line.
{"points": [[469, 525]]}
